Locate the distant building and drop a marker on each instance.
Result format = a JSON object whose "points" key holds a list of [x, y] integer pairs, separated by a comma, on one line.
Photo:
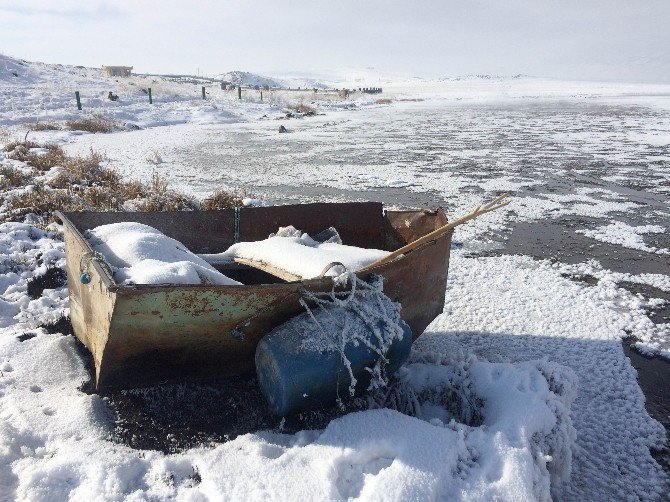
{"points": [[117, 71]]}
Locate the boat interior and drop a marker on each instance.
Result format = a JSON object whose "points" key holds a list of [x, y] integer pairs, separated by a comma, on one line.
{"points": [[362, 224]]}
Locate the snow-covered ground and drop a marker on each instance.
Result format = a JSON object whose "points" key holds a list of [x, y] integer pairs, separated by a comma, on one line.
{"points": [[550, 405]]}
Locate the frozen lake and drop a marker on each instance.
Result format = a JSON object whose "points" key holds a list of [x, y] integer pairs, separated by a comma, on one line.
{"points": [[435, 151]]}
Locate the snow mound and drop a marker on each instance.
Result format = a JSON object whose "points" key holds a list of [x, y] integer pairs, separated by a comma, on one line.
{"points": [[9, 68], [526, 310], [504, 430], [140, 254], [297, 253], [245, 78]]}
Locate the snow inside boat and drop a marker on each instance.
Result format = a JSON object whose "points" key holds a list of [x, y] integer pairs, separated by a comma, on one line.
{"points": [[146, 334]]}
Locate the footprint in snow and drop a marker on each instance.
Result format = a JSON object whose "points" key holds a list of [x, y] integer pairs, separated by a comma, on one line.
{"points": [[271, 451], [353, 469]]}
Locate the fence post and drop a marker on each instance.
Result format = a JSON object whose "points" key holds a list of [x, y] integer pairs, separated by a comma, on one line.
{"points": [[76, 95], [239, 92], [261, 95], [151, 101], [203, 92]]}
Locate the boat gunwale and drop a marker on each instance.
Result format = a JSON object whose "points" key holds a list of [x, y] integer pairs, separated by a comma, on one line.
{"points": [[128, 289]]}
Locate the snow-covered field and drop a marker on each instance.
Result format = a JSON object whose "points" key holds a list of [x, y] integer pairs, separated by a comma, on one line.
{"points": [[549, 403]]}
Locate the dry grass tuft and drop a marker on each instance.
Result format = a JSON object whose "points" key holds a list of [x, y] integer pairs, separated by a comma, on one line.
{"points": [[11, 177], [223, 199], [100, 198], [24, 151], [10, 147], [42, 202], [94, 123], [133, 189], [86, 171], [44, 126], [384, 101], [155, 158], [159, 197], [83, 184]]}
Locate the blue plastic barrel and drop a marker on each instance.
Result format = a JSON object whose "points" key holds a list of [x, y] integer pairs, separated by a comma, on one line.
{"points": [[294, 378]]}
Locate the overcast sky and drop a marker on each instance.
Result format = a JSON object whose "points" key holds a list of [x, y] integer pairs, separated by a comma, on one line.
{"points": [[608, 39]]}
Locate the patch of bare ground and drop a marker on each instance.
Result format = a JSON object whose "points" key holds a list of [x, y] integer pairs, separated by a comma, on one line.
{"points": [[384, 101], [303, 108]]}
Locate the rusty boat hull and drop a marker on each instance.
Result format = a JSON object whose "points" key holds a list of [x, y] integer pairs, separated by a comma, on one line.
{"points": [[143, 335]]}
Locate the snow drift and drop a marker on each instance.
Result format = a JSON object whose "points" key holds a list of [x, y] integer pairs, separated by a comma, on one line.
{"points": [[140, 254], [299, 254]]}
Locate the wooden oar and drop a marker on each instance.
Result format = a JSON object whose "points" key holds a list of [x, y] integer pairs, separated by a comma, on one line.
{"points": [[496, 203]]}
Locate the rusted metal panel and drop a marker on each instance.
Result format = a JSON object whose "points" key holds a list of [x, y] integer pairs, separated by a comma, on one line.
{"points": [[358, 223], [199, 231], [91, 305], [418, 280], [173, 333], [403, 227]]}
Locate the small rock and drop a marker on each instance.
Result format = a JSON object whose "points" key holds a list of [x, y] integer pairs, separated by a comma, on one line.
{"points": [[282, 129]]}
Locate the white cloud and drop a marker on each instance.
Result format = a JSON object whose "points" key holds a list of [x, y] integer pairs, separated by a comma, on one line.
{"points": [[597, 39]]}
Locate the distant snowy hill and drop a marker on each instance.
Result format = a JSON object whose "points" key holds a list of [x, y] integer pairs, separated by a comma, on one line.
{"points": [[246, 78], [32, 91], [351, 78], [13, 71], [482, 77]]}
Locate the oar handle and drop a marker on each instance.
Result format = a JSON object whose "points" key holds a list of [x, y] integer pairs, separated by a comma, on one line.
{"points": [[478, 211]]}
